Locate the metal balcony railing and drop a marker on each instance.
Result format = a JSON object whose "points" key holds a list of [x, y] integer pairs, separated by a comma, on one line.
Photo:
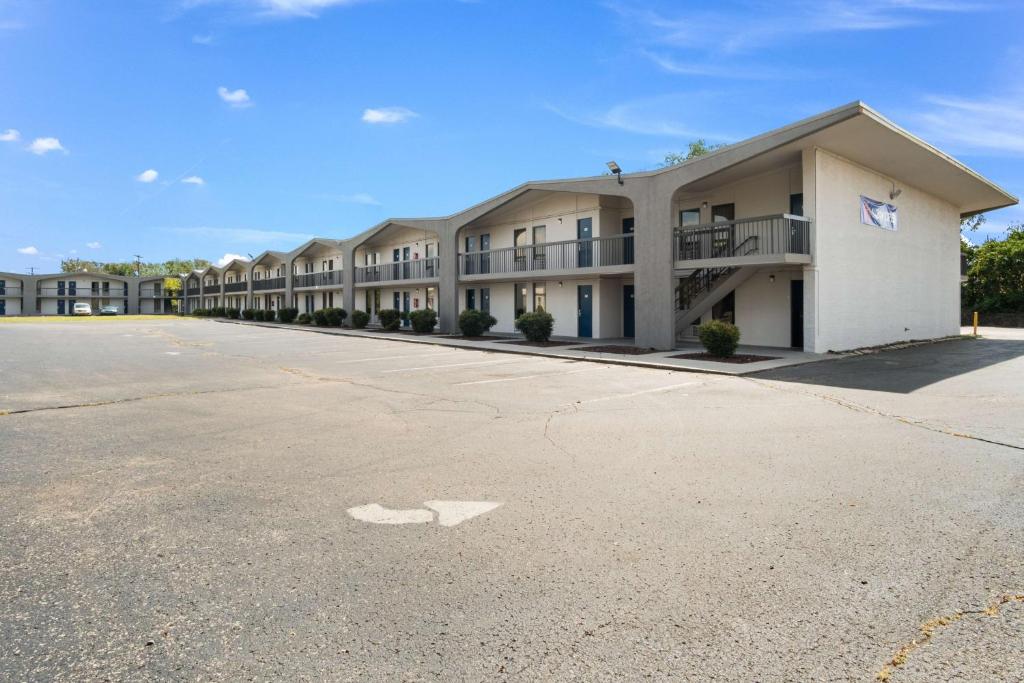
{"points": [[615, 250], [10, 290], [269, 283], [236, 286], [419, 269], [192, 291], [325, 279], [778, 234]]}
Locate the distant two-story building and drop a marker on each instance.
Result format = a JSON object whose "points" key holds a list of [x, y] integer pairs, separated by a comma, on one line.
{"points": [[57, 293], [835, 232]]}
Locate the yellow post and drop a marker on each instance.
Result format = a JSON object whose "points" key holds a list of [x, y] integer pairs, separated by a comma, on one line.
{"points": [[975, 323]]}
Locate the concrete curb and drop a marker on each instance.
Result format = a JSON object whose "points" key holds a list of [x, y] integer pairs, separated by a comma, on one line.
{"points": [[455, 344]]}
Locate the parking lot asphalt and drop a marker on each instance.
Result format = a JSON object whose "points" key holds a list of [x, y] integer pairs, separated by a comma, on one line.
{"points": [[175, 497]]}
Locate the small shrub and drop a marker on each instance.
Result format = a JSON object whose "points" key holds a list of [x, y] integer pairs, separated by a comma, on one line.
{"points": [[360, 319], [536, 326], [474, 323], [249, 314], [335, 316], [320, 317], [287, 315], [719, 338], [232, 313], [424, 320], [199, 312], [304, 319], [390, 319], [219, 312]]}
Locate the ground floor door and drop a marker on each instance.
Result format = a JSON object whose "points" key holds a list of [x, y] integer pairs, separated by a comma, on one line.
{"points": [[405, 307], [796, 313], [628, 312], [585, 311]]}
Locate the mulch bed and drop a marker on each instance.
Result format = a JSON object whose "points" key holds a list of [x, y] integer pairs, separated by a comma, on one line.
{"points": [[404, 331], [613, 348], [465, 338], [738, 358], [525, 342]]}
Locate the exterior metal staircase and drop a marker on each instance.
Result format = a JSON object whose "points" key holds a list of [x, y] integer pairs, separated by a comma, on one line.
{"points": [[702, 288]]}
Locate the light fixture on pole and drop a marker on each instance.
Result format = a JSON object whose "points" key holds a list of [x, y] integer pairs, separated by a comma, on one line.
{"points": [[614, 168]]}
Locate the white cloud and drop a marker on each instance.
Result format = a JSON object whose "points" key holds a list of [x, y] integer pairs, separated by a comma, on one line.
{"points": [[279, 9], [147, 176], [655, 116], [28, 251], [993, 124], [41, 146], [203, 39], [228, 258], [93, 245], [193, 180], [10, 135], [388, 115], [236, 98], [244, 235]]}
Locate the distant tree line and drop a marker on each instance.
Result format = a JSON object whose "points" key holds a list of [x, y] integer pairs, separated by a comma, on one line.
{"points": [[169, 269], [995, 271]]}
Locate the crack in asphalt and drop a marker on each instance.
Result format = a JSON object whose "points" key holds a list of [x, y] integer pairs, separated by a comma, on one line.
{"points": [[930, 627], [131, 399], [868, 410]]}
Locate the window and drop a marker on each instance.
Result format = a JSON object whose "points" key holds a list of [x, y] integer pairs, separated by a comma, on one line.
{"points": [[539, 238], [689, 217], [520, 304], [540, 301]]}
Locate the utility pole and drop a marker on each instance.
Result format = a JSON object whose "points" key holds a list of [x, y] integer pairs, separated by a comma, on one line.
{"points": [[138, 265], [31, 270]]}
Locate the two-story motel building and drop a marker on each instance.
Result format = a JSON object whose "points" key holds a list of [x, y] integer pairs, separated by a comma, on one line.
{"points": [[57, 293], [776, 233]]}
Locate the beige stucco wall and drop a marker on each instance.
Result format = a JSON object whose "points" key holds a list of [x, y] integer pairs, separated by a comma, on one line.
{"points": [[763, 307], [758, 195], [12, 306], [877, 286]]}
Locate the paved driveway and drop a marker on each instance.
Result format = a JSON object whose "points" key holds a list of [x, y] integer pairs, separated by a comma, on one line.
{"points": [[175, 498]]}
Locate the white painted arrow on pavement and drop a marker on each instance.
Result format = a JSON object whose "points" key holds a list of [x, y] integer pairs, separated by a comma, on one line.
{"points": [[449, 512]]}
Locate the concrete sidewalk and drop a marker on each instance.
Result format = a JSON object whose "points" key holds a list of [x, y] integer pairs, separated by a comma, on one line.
{"points": [[577, 350]]}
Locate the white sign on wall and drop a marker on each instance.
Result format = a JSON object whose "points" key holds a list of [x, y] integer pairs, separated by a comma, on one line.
{"points": [[878, 214]]}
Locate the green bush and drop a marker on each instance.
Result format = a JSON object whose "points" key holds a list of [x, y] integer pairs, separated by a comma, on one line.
{"points": [[536, 326], [390, 319], [320, 317], [199, 312], [249, 314], [360, 319], [424, 320], [474, 323], [304, 319], [270, 316], [219, 312], [719, 338], [287, 315], [232, 313], [335, 316]]}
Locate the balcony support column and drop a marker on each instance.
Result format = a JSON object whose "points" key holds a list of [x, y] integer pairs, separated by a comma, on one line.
{"points": [[348, 278], [288, 282], [448, 279], [655, 293]]}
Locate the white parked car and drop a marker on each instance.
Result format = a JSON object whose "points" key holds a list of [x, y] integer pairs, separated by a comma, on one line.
{"points": [[81, 309]]}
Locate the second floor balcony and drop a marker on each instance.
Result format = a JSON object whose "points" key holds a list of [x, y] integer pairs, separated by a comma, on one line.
{"points": [[192, 291], [399, 271], [610, 254], [781, 238], [329, 278], [10, 290], [268, 283], [240, 286]]}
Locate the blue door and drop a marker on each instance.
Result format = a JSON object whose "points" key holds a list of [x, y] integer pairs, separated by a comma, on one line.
{"points": [[405, 266], [627, 242], [405, 308], [585, 250], [60, 306], [398, 302], [471, 255], [3, 307], [585, 304], [471, 299], [628, 312]]}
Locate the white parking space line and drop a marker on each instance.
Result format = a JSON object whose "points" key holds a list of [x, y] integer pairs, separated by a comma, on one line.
{"points": [[641, 393], [455, 365], [416, 355], [522, 377]]}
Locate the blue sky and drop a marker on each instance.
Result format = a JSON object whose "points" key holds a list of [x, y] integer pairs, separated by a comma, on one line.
{"points": [[183, 128]]}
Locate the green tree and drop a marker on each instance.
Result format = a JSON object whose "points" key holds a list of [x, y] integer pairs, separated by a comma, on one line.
{"points": [[696, 148], [995, 279], [972, 223]]}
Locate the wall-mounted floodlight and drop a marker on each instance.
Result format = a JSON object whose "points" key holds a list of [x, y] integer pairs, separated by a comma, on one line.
{"points": [[896, 192], [614, 168]]}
